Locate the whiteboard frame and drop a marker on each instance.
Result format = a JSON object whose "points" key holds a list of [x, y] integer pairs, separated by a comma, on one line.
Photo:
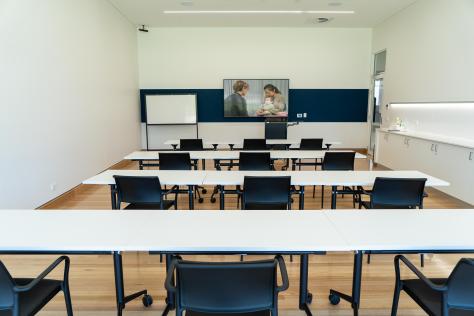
{"points": [[171, 124]]}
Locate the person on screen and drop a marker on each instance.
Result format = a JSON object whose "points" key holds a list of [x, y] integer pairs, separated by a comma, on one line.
{"points": [[235, 104], [274, 101]]}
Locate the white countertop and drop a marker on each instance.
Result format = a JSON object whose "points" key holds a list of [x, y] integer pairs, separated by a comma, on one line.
{"points": [[457, 141]]}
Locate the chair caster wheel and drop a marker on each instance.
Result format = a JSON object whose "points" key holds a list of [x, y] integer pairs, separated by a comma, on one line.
{"points": [[201, 200], [309, 299], [213, 200], [204, 191], [147, 300], [334, 299]]}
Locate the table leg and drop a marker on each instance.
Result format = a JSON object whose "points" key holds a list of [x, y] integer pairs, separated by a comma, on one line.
{"points": [[113, 196], [191, 196], [140, 164], [293, 164], [221, 196], [170, 299], [334, 197], [335, 296], [175, 146], [302, 197], [121, 299], [305, 297]]}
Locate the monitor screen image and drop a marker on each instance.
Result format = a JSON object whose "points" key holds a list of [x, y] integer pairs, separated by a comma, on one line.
{"points": [[256, 97]]}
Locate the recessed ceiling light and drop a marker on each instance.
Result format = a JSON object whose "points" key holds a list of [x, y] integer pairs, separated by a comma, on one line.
{"points": [[334, 4], [187, 3], [254, 12]]}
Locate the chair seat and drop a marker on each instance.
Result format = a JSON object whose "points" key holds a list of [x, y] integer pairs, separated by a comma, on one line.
{"points": [[150, 206], [266, 206], [429, 299], [32, 301], [259, 313]]}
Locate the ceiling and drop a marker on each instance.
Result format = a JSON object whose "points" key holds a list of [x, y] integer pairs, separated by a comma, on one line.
{"points": [[368, 13]]}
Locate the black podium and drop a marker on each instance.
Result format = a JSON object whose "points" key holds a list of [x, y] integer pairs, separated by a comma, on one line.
{"points": [[276, 128]]}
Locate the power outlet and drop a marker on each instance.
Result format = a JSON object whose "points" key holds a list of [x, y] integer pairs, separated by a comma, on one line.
{"points": [[299, 115], [305, 115], [52, 186]]}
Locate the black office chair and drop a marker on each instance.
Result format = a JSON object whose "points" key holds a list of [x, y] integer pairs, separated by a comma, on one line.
{"points": [[178, 161], [339, 161], [311, 144], [143, 193], [194, 144], [394, 193], [22, 296], [231, 288], [266, 193], [453, 296], [255, 144], [255, 161]]}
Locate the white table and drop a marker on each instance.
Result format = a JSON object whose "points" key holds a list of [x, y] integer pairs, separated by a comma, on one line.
{"points": [[171, 232], [232, 143], [318, 178], [189, 178], [218, 155], [400, 231], [305, 232]]}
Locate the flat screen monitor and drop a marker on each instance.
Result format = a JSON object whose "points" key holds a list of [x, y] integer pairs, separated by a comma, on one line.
{"points": [[256, 97]]}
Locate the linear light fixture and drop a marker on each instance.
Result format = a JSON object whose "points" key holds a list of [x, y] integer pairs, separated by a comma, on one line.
{"points": [[253, 12], [434, 105]]}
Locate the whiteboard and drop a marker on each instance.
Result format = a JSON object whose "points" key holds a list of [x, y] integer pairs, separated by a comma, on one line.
{"points": [[171, 109]]}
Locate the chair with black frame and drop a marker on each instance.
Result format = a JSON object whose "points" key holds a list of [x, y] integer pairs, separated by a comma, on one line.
{"points": [[227, 288], [178, 161], [194, 144], [438, 297], [22, 296], [339, 161], [255, 144], [311, 144], [394, 193], [266, 193], [143, 193], [254, 161]]}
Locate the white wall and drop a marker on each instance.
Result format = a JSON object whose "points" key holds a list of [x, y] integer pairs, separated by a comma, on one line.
{"points": [[312, 58], [68, 95], [430, 49]]}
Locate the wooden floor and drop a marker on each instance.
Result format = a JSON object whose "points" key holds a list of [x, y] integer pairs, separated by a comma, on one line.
{"points": [[92, 284]]}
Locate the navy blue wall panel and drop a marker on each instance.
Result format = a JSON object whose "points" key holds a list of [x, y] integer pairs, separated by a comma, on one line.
{"points": [[321, 105]]}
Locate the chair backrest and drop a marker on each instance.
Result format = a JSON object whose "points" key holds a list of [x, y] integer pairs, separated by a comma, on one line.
{"points": [[175, 161], [311, 144], [338, 160], [6, 288], [266, 193], [461, 286], [191, 144], [255, 144], [141, 190], [226, 287], [255, 161], [397, 193]]}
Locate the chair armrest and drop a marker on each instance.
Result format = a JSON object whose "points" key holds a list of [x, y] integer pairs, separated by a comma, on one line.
{"points": [[169, 276], [421, 276], [364, 191], [170, 190], [32, 284], [284, 275]]}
